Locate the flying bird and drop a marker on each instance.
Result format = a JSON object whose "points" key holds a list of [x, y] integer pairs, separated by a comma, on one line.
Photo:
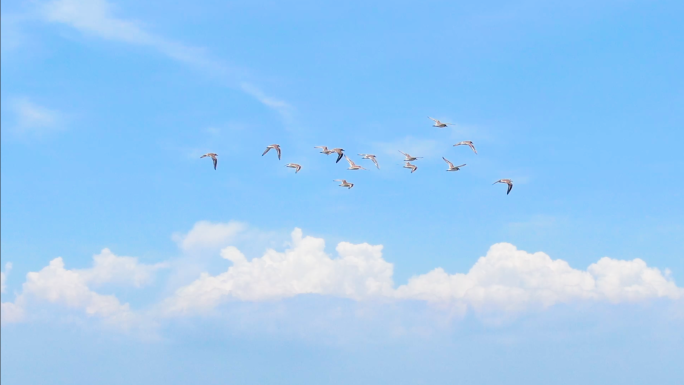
{"points": [[467, 143], [508, 182], [324, 150], [352, 165], [371, 157], [212, 156], [344, 183], [451, 165], [339, 152], [268, 148], [440, 124], [413, 167], [410, 158], [295, 166]]}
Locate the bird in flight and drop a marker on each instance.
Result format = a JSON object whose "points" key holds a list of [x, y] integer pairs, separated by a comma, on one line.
{"points": [[324, 150], [268, 148], [339, 152], [212, 156], [467, 143], [352, 165], [413, 167], [508, 182], [451, 165], [440, 124], [344, 183], [295, 166], [371, 157], [410, 158]]}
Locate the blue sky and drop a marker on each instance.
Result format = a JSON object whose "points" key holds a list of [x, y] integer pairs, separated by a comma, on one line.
{"points": [[408, 278]]}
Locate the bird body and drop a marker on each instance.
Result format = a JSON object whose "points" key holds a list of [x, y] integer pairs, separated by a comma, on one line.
{"points": [[467, 143], [324, 150], [295, 166], [413, 167], [451, 165], [409, 158], [212, 156], [439, 124], [508, 182], [274, 146], [344, 183], [352, 165], [339, 152], [371, 157]]}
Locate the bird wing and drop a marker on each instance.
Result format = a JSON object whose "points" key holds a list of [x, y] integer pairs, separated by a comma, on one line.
{"points": [[376, 162], [451, 165], [472, 146], [435, 120], [510, 187], [278, 149], [351, 163], [215, 162], [461, 165], [203, 156], [267, 150], [339, 156]]}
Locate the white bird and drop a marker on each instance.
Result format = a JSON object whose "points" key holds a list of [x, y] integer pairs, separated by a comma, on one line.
{"points": [[467, 143], [324, 150], [413, 167], [352, 165], [212, 156], [508, 182], [451, 165], [410, 158], [295, 166], [339, 152], [440, 124], [275, 146], [344, 183], [371, 157]]}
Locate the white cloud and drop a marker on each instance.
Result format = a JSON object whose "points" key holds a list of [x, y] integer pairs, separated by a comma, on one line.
{"points": [[208, 235], [511, 280], [96, 18], [3, 277], [33, 118], [506, 280], [11, 313], [71, 288], [304, 268]]}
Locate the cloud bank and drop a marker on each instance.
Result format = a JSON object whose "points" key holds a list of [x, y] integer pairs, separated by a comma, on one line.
{"points": [[506, 280]]}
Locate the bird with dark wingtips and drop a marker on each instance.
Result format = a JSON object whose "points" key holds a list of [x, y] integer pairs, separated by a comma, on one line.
{"points": [[295, 166], [413, 167], [324, 150], [409, 158], [371, 157], [440, 124], [508, 182], [467, 143], [339, 152], [212, 156], [352, 165], [344, 183], [275, 146], [451, 165]]}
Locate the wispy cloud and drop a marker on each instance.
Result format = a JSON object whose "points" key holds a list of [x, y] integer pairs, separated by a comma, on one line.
{"points": [[34, 119], [96, 18]]}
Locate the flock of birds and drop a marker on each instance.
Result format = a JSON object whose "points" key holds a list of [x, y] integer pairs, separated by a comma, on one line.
{"points": [[353, 166]]}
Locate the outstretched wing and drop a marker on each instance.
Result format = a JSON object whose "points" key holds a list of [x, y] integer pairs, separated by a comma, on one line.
{"points": [[278, 149], [433, 119], [376, 162], [473, 148], [451, 165], [351, 163], [215, 162], [267, 150], [339, 156], [510, 187]]}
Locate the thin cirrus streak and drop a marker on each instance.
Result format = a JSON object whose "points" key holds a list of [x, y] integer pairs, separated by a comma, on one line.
{"points": [[505, 280]]}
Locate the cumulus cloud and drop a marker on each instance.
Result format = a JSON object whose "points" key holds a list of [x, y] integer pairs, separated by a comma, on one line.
{"points": [[360, 273], [511, 280], [208, 235], [72, 287], [505, 280]]}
